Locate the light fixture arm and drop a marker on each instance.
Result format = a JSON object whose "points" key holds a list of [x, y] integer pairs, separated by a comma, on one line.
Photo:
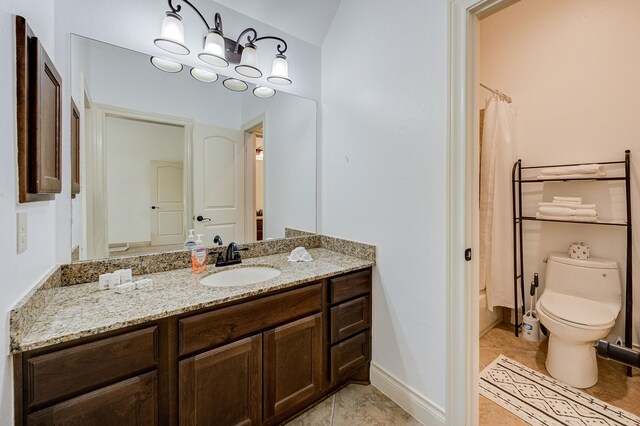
{"points": [[217, 18], [252, 40]]}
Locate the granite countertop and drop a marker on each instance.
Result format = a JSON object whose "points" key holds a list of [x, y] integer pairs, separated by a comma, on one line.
{"points": [[82, 310]]}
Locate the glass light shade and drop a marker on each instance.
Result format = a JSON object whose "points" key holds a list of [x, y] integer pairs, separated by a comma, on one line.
{"points": [[166, 65], [279, 71], [172, 35], [249, 63], [213, 52], [263, 92], [235, 85], [204, 76]]}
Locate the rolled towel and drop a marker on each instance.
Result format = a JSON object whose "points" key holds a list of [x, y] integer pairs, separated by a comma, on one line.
{"points": [[557, 211], [569, 205], [584, 169], [574, 200]]}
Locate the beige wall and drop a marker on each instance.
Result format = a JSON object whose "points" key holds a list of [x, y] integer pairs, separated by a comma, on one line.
{"points": [[573, 70]]}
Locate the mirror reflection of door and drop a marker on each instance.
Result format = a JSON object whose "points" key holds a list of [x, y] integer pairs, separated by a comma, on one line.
{"points": [[167, 203], [259, 183], [144, 168], [218, 183]]}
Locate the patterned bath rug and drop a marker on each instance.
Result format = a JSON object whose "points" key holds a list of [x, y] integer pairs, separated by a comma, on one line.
{"points": [[542, 401]]}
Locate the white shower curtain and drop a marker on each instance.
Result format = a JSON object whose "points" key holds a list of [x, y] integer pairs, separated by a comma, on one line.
{"points": [[496, 216]]}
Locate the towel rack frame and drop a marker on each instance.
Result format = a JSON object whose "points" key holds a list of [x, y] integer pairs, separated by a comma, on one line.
{"points": [[518, 235]]}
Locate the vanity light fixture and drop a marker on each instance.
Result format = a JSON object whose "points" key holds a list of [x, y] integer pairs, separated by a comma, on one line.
{"points": [[263, 92], [166, 65], [204, 76], [235, 85], [219, 50]]}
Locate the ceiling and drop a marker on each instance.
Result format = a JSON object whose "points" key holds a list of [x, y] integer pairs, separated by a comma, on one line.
{"points": [[308, 20]]}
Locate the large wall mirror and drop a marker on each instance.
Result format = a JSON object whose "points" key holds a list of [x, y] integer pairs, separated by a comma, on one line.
{"points": [[164, 152]]}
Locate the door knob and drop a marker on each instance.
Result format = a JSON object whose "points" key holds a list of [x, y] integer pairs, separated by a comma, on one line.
{"points": [[154, 207], [202, 219]]}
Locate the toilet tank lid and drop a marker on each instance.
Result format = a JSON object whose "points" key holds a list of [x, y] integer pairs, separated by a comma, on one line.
{"points": [[592, 262]]}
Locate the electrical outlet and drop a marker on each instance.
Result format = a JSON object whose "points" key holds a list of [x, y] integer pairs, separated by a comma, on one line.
{"points": [[22, 232]]}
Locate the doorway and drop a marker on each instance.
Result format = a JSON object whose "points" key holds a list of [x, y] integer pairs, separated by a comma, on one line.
{"points": [[255, 190], [554, 112], [121, 147]]}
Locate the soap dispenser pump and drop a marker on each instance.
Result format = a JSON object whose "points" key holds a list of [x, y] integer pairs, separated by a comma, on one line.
{"points": [[199, 257], [190, 242]]}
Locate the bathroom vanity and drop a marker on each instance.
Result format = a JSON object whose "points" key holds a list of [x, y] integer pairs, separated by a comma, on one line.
{"points": [[183, 353]]}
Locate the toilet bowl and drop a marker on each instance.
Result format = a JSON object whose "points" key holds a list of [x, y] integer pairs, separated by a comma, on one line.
{"points": [[579, 306]]}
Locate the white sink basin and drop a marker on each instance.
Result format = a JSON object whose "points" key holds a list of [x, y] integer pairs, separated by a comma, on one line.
{"points": [[241, 276]]}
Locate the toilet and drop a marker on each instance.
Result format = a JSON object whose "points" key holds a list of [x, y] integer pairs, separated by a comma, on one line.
{"points": [[580, 304]]}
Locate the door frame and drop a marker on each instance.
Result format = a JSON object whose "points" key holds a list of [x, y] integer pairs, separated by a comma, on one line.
{"points": [[249, 177], [462, 298], [99, 158]]}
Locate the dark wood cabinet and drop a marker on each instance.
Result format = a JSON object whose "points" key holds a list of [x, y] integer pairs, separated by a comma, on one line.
{"points": [[222, 386], [350, 317], [39, 118], [130, 402], [75, 150], [251, 362], [292, 366], [68, 371]]}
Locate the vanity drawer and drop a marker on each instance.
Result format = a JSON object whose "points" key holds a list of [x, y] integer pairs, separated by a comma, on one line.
{"points": [[351, 285], [210, 329], [348, 356], [350, 317], [65, 372]]}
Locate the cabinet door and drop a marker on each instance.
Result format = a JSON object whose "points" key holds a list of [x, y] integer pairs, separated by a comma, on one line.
{"points": [[292, 365], [222, 386], [130, 402], [45, 121]]}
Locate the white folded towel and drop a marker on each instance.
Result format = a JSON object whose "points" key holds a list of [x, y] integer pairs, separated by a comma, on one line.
{"points": [[557, 211], [299, 254], [569, 205], [574, 200], [570, 176], [584, 169], [567, 218], [586, 212]]}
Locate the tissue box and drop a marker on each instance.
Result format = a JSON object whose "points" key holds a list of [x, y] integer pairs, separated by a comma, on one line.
{"points": [[579, 251]]}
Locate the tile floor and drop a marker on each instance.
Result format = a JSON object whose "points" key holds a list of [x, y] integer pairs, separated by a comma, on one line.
{"points": [[356, 405], [613, 385]]}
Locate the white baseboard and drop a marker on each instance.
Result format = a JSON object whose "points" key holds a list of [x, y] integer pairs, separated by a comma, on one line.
{"points": [[421, 408]]}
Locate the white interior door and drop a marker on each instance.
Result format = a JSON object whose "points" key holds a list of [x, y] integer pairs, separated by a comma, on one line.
{"points": [[218, 183], [167, 203]]}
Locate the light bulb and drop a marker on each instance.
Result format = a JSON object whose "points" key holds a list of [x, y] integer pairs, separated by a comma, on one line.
{"points": [[249, 62], [213, 52], [279, 70], [172, 35]]}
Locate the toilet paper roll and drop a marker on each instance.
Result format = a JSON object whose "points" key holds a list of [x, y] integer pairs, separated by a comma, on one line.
{"points": [[579, 250]]}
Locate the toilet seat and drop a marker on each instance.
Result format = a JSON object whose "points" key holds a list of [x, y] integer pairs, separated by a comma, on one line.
{"points": [[576, 311]]}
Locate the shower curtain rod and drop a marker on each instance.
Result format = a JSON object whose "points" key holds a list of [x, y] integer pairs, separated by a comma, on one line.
{"points": [[502, 95]]}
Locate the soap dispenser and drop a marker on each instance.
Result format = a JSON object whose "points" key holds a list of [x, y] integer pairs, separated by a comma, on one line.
{"points": [[190, 242], [199, 257]]}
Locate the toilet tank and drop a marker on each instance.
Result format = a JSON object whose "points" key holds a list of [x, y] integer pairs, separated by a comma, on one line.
{"points": [[595, 278]]}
